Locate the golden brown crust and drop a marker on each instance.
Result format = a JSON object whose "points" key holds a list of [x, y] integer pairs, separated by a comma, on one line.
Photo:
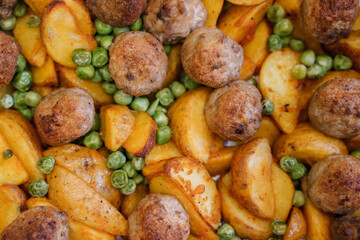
{"points": [[335, 108], [234, 111], [334, 184], [328, 21], [64, 115], [38, 223], [345, 228], [6, 8], [138, 63]]}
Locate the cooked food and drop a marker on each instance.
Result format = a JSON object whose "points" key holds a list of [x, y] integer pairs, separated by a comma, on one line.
{"points": [[328, 21], [6, 8], [117, 13], [138, 63], [159, 216], [234, 111], [38, 223], [64, 115], [211, 58], [346, 227], [9, 52], [172, 21], [334, 108], [334, 183]]}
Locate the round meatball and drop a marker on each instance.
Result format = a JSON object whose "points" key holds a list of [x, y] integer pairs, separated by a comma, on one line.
{"points": [[211, 58], [138, 63], [38, 223], [328, 21], [234, 111], [6, 8], [117, 13], [334, 184], [64, 115], [171, 21], [9, 52], [335, 108], [159, 216], [345, 228]]}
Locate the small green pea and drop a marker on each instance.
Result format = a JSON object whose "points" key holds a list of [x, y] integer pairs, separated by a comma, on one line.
{"points": [[297, 44], [138, 163], [81, 57], [98, 39], [288, 163], [7, 154], [342, 62], [105, 74], [226, 232], [355, 153], [8, 24], [102, 28], [325, 61], [122, 98], [92, 140], [165, 96], [308, 58], [119, 179], [96, 124], [188, 83], [46, 164], [106, 41], [152, 109], [19, 100], [140, 104], [115, 160], [252, 81], [161, 119], [315, 71], [268, 106], [7, 101], [129, 169], [298, 172], [177, 89], [298, 199], [129, 188], [283, 28], [167, 48], [278, 227], [27, 113], [33, 22], [32, 98], [275, 13], [97, 76], [163, 135], [286, 41], [139, 179], [21, 63], [274, 43], [86, 72], [99, 57], [109, 88], [299, 71], [137, 25], [20, 9], [22, 81], [118, 30], [38, 188], [161, 109]]}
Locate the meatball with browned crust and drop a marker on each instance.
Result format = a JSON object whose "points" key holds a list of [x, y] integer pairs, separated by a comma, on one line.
{"points": [[6, 8], [335, 108], [211, 58], [159, 216], [117, 13], [38, 223], [138, 63], [234, 111], [9, 52], [172, 21], [328, 21], [64, 115], [345, 228], [334, 184]]}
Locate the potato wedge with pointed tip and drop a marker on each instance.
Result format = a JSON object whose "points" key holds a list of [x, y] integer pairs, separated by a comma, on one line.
{"points": [[296, 226]]}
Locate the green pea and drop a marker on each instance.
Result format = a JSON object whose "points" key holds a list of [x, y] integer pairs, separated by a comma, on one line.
{"points": [[129, 169], [325, 61], [299, 199], [86, 72], [268, 106], [286, 41], [129, 188], [226, 232], [92, 140], [81, 57], [161, 119], [22, 81], [298, 172], [165, 96], [188, 83], [20, 9], [274, 43], [7, 101], [275, 13], [109, 88], [106, 41], [297, 44], [27, 113], [152, 109], [273, 238], [102, 28], [315, 71], [139, 179], [278, 227], [118, 30], [7, 154], [99, 57], [46, 164], [167, 48], [138, 163], [21, 63], [236, 238], [355, 153], [96, 124], [140, 104], [33, 22], [299, 71], [283, 28], [288, 163], [252, 81], [342, 62], [98, 39], [97, 76], [8, 24], [32, 98], [119, 179], [105, 74], [19, 100], [38, 188], [296, 182], [177, 89], [163, 135], [115, 160], [161, 109], [129, 156], [122, 98], [308, 58], [137, 25]]}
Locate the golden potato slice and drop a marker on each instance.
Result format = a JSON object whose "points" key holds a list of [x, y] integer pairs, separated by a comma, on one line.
{"points": [[38, 6], [307, 145], [61, 39], [213, 8], [174, 68], [45, 75], [251, 178], [43, 90], [277, 84], [162, 152], [296, 226], [117, 123], [246, 2], [152, 169], [356, 26], [82, 15], [219, 162], [131, 201], [248, 69]]}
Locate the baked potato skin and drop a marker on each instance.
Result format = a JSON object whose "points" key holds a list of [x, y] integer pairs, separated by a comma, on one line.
{"points": [[345, 228], [328, 21]]}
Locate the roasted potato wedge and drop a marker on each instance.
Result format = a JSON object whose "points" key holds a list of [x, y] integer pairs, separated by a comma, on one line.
{"points": [[41, 89], [246, 2], [307, 145], [213, 8], [174, 68], [46, 74], [162, 152], [356, 26], [151, 170], [248, 69], [251, 167], [297, 227], [131, 201], [220, 162], [38, 6], [82, 15], [117, 123]]}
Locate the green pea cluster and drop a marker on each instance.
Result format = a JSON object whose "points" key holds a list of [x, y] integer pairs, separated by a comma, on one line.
{"points": [[19, 10], [227, 232], [295, 169]]}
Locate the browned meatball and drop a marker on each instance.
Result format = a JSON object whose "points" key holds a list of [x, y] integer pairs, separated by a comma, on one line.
{"points": [[171, 21], [335, 108], [234, 111], [328, 21], [211, 58], [159, 216], [138, 63], [38, 223], [9, 52], [6, 8], [64, 115], [117, 13], [334, 184], [345, 228]]}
